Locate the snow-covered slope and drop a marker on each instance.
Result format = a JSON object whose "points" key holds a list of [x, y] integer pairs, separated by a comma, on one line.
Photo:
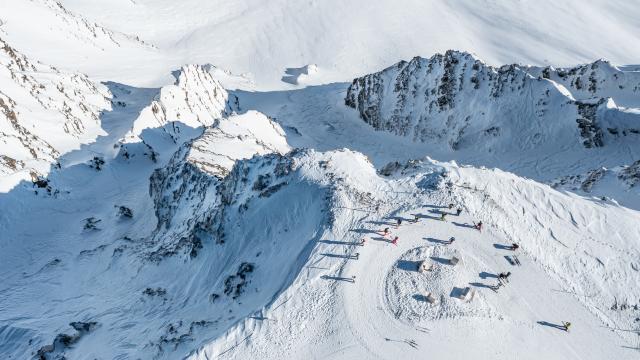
{"points": [[43, 114], [619, 183], [344, 39], [48, 31]]}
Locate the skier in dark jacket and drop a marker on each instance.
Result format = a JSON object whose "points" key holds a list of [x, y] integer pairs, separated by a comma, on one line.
{"points": [[514, 247], [504, 276], [451, 240], [478, 226], [458, 211], [398, 223]]}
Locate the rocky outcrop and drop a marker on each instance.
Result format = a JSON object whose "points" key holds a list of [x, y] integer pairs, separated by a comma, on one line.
{"points": [[599, 79], [630, 174], [43, 112], [457, 101], [619, 183], [192, 192], [196, 99]]}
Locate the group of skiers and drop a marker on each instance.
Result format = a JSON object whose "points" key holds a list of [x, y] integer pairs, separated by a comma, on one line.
{"points": [[503, 277], [416, 218], [386, 233]]}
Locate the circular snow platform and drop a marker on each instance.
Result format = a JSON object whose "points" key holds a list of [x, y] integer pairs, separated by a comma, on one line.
{"points": [[432, 283]]}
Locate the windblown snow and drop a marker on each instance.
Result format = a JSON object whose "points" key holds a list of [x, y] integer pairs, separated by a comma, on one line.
{"points": [[254, 180]]}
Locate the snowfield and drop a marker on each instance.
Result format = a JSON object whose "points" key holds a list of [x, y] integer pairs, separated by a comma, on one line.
{"points": [[213, 180], [344, 39]]}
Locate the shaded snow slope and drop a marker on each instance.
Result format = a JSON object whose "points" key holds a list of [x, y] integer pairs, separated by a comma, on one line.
{"points": [[125, 256], [46, 114]]}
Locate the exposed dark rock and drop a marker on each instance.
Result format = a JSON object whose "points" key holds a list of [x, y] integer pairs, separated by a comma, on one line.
{"points": [[234, 284], [124, 211]]}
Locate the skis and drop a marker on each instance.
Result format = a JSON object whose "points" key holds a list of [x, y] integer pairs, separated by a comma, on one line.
{"points": [[423, 329], [513, 260], [516, 260], [411, 343]]}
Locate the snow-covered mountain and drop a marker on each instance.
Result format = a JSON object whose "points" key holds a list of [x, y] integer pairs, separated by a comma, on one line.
{"points": [[458, 103], [173, 186]]}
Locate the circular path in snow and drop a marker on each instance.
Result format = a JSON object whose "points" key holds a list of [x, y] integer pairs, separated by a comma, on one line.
{"points": [[406, 289]]}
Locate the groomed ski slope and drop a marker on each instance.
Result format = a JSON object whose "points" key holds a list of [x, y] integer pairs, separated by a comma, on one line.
{"points": [[576, 256]]}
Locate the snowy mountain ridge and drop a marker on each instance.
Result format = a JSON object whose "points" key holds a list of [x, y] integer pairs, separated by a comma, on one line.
{"points": [[455, 98], [190, 200]]}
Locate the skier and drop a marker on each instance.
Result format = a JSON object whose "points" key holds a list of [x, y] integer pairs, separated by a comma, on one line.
{"points": [[416, 218], [504, 276], [566, 325], [395, 241], [385, 232], [458, 211], [451, 240], [478, 226], [450, 206], [514, 247], [398, 223], [363, 241], [443, 217]]}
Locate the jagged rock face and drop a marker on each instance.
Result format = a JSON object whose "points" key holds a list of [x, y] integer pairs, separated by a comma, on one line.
{"points": [[599, 79], [196, 99], [234, 138], [630, 174], [43, 112], [590, 131], [458, 101], [620, 182], [192, 192]]}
